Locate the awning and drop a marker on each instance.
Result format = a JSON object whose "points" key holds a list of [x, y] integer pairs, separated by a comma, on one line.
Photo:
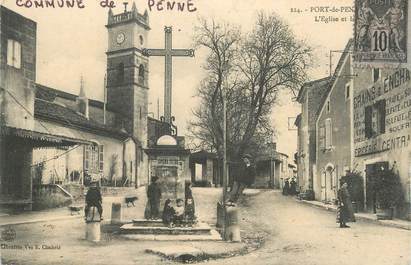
{"points": [[40, 139]]}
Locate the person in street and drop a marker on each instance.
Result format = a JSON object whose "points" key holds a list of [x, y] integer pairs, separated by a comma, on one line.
{"points": [[179, 212], [345, 211], [244, 177], [189, 194], [293, 187], [154, 197], [286, 188], [94, 199], [189, 212], [168, 213]]}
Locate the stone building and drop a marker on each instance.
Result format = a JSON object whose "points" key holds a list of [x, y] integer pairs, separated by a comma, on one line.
{"points": [[18, 138], [311, 97], [333, 131], [271, 168], [205, 168]]}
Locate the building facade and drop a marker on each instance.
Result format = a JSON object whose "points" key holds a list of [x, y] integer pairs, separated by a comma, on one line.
{"points": [[311, 97], [382, 131], [333, 130]]}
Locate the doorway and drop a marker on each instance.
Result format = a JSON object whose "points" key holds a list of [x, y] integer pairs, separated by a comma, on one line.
{"points": [[371, 171]]}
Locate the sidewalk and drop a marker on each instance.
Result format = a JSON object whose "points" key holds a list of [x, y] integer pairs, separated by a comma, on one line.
{"points": [[397, 223], [38, 216]]}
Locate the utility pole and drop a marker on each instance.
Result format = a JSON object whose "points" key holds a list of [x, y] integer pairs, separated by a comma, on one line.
{"points": [[225, 168], [158, 108]]}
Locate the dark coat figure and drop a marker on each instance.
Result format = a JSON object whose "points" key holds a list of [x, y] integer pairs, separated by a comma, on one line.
{"points": [[189, 212], [168, 213], [179, 211], [293, 187], [94, 198], [154, 197], [244, 177], [345, 211], [189, 194], [286, 188]]}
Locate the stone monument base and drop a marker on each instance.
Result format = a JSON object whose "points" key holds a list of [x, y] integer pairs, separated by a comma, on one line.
{"points": [[141, 229]]}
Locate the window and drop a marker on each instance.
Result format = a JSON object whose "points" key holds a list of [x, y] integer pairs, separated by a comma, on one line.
{"points": [[131, 167], [328, 106], [101, 157], [376, 73], [120, 73], [375, 119], [94, 158], [86, 158], [347, 91], [328, 134], [321, 137], [141, 74], [14, 53]]}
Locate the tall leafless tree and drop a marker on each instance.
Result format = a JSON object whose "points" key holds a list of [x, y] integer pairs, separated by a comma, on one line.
{"points": [[252, 69]]}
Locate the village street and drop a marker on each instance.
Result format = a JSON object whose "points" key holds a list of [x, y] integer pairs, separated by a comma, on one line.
{"points": [[294, 233]]}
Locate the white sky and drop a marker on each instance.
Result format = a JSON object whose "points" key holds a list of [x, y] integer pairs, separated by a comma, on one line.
{"points": [[72, 42]]}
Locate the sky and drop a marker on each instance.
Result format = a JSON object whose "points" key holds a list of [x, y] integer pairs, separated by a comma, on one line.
{"points": [[72, 42]]}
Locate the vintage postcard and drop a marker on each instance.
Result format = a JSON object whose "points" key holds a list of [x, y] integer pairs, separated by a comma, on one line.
{"points": [[206, 132]]}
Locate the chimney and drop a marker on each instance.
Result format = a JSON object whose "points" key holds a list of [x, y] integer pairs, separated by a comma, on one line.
{"points": [[82, 100]]}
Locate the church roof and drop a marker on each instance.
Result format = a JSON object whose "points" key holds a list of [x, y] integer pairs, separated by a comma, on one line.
{"points": [[57, 113], [49, 94]]}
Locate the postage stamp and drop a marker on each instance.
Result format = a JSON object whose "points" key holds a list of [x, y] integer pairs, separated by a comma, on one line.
{"points": [[380, 31]]}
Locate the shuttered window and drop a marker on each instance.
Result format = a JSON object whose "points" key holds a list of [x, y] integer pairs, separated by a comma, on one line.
{"points": [[321, 137], [368, 122], [14, 53], [381, 105], [328, 134], [375, 119]]}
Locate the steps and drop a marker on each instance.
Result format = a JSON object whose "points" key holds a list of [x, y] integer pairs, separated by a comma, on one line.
{"points": [[141, 229], [147, 223], [151, 227]]}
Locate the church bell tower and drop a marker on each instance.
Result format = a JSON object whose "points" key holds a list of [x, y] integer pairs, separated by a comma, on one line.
{"points": [[127, 70]]}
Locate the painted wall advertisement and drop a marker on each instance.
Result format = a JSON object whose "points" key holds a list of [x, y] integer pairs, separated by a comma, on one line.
{"points": [[382, 114]]}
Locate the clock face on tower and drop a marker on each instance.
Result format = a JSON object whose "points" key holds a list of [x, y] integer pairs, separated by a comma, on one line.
{"points": [[120, 38]]}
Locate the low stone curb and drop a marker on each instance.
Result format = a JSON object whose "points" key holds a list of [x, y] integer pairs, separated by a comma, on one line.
{"points": [[361, 216]]}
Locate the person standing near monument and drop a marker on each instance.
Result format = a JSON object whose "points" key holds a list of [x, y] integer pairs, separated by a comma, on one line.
{"points": [[168, 213], [93, 199], [154, 197], [245, 176]]}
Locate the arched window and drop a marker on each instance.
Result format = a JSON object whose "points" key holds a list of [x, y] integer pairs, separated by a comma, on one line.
{"points": [[120, 73], [141, 74]]}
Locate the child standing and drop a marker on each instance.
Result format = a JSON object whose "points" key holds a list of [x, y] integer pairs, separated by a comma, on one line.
{"points": [[189, 212], [168, 213], [179, 212]]}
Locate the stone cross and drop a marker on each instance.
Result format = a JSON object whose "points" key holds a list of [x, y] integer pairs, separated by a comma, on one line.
{"points": [[168, 52]]}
